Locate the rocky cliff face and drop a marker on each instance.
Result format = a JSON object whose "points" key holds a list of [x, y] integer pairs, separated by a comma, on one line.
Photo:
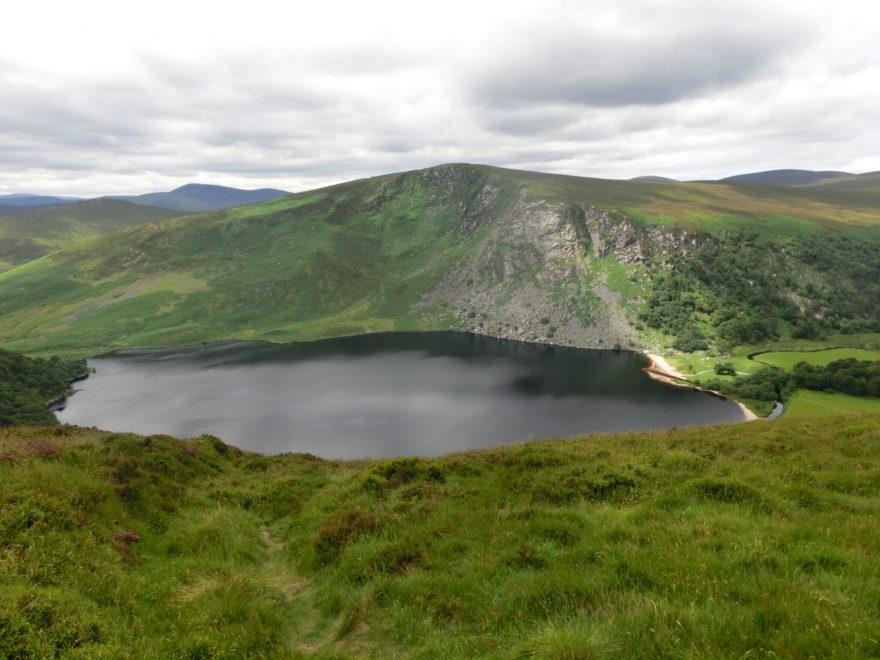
{"points": [[536, 272]]}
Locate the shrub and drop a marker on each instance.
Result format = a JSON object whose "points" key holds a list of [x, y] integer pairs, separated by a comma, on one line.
{"points": [[725, 369], [340, 530], [728, 491], [527, 557]]}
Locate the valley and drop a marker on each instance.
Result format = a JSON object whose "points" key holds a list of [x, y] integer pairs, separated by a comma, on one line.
{"points": [[711, 541], [506, 330], [696, 271]]}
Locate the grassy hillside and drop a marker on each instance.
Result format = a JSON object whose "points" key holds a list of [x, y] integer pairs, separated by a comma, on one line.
{"points": [[734, 541], [869, 181], [767, 210], [514, 254], [27, 236], [786, 177]]}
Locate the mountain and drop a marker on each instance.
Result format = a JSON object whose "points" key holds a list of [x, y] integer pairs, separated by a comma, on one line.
{"points": [[785, 177], [194, 197], [25, 199], [7, 209], [653, 179], [578, 261], [869, 181], [32, 234], [24, 203]]}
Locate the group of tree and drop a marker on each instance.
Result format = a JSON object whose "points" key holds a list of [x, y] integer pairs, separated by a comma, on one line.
{"points": [[763, 385], [735, 289], [849, 376], [28, 385]]}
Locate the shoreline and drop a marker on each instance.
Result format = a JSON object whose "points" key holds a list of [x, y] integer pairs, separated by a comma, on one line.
{"points": [[659, 369]]}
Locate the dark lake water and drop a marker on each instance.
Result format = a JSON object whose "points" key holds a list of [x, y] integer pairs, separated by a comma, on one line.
{"points": [[383, 395]]}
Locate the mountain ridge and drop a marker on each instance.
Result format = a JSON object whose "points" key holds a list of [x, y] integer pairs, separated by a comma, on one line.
{"points": [[198, 197], [523, 255], [786, 177]]}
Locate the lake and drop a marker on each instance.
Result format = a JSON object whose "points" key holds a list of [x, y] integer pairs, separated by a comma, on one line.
{"points": [[384, 394]]}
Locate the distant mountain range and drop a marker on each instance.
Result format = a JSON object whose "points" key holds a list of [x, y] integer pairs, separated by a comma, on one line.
{"points": [[197, 197], [191, 198], [786, 177], [24, 202], [829, 180], [826, 179], [654, 179], [200, 197], [26, 199]]}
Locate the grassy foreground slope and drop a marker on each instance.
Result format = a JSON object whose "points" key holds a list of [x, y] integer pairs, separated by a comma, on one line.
{"points": [[30, 235], [531, 256], [732, 541]]}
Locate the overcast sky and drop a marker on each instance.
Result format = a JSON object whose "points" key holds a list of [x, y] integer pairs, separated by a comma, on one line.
{"points": [[118, 97]]}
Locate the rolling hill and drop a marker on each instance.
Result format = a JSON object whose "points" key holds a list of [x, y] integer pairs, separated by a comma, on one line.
{"points": [[869, 181], [578, 261], [26, 200], [786, 177], [825, 181], [29, 235], [25, 203], [194, 197]]}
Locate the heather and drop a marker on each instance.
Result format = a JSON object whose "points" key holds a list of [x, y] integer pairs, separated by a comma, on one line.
{"points": [[729, 541]]}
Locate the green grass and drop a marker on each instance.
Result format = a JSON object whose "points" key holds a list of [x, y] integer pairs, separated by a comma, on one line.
{"points": [[28, 236], [747, 540], [787, 359], [806, 403]]}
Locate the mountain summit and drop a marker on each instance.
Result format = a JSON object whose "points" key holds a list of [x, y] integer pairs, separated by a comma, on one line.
{"points": [[196, 197]]}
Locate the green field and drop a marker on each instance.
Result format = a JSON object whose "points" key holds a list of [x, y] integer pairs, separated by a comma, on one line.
{"points": [[787, 359], [806, 403], [748, 540]]}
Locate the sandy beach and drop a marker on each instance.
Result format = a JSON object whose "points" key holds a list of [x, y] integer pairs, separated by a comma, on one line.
{"points": [[661, 370]]}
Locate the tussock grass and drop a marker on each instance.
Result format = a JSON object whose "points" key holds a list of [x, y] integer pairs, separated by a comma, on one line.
{"points": [[730, 541]]}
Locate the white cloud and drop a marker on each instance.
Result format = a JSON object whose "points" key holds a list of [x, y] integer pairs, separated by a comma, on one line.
{"points": [[97, 100]]}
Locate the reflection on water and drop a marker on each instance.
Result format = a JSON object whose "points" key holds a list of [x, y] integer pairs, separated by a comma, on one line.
{"points": [[383, 395]]}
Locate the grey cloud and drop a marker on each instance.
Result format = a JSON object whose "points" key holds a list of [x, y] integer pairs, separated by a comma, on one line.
{"points": [[583, 64], [693, 93]]}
